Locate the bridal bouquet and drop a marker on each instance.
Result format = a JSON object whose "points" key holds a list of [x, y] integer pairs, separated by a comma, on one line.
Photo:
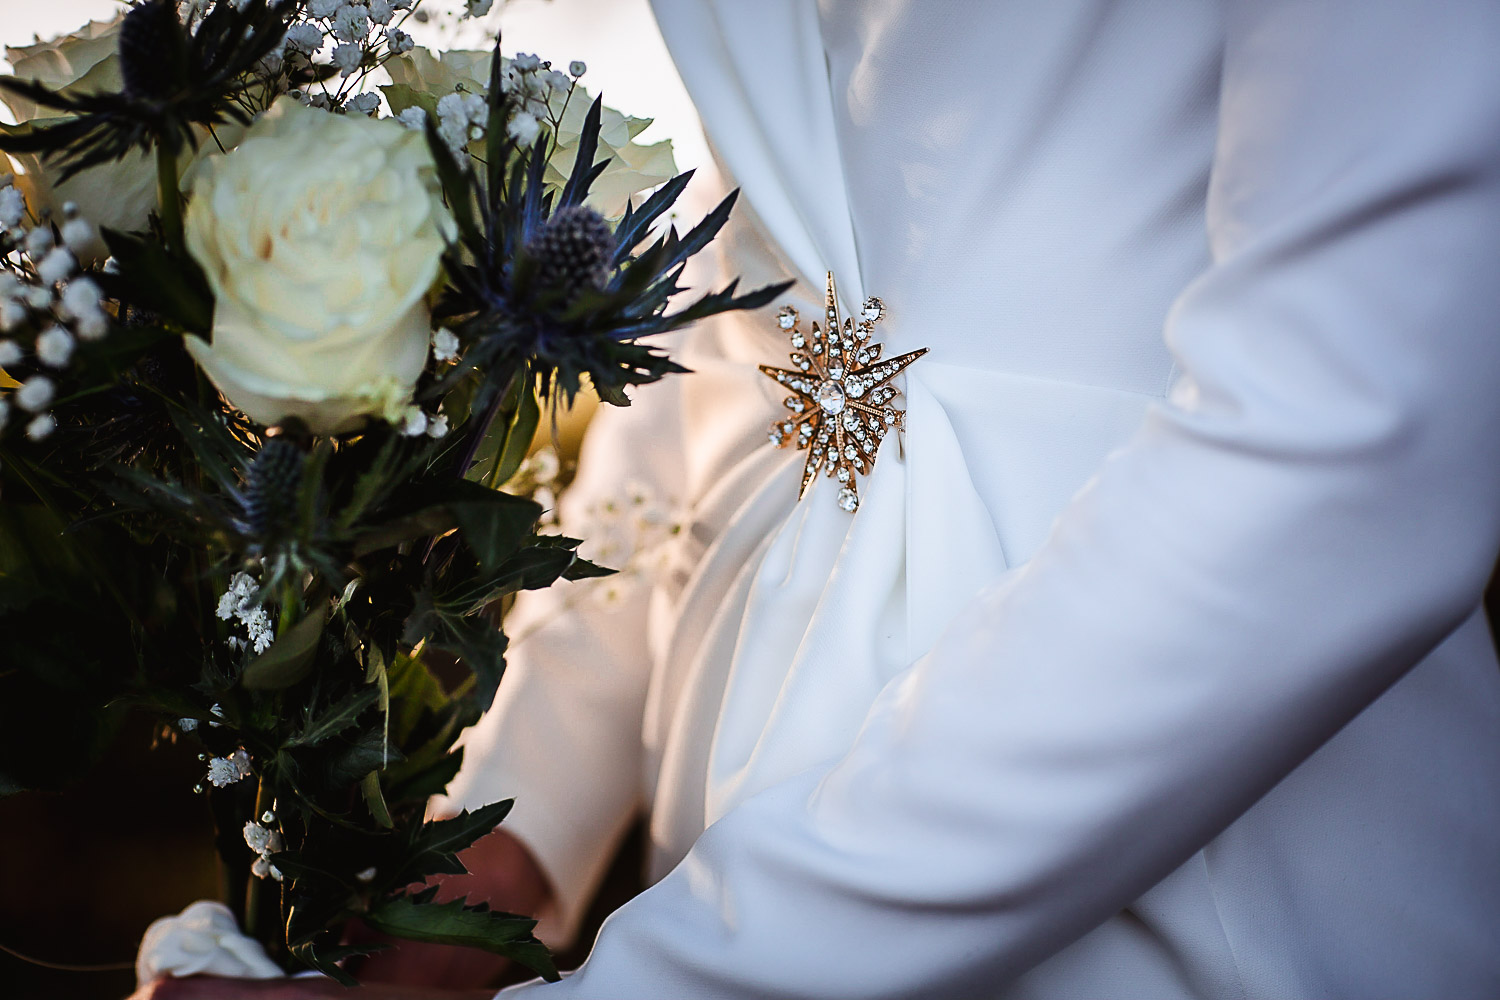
{"points": [[272, 344]]}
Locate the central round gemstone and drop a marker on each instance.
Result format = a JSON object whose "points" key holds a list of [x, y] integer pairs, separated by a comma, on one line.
{"points": [[831, 397]]}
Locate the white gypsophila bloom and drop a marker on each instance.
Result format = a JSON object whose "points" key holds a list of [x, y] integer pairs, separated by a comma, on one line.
{"points": [[262, 868], [524, 128], [225, 771], [82, 297], [437, 425], [36, 394], [217, 711], [557, 81], [10, 285], [78, 234], [38, 242], [445, 345], [477, 8], [362, 104], [351, 23], [415, 424], [12, 315], [41, 426], [305, 38], [526, 62], [347, 56], [413, 118], [236, 644], [54, 347], [187, 725], [38, 297], [398, 41], [12, 207], [56, 265], [258, 624], [237, 601], [10, 352], [4, 414], [381, 11], [365, 875], [324, 8], [256, 837], [578, 67]]}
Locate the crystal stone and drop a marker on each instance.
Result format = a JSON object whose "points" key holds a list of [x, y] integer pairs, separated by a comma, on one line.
{"points": [[855, 388], [831, 397], [873, 309], [787, 318], [798, 340], [848, 499], [843, 475]]}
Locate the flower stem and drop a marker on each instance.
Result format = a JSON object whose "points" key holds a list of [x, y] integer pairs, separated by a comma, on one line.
{"points": [[168, 197]]}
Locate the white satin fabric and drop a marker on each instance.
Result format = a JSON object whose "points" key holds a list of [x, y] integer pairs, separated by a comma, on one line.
{"points": [[1149, 666]]}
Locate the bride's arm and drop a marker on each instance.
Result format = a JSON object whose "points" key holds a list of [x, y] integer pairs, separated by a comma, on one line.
{"points": [[1314, 509]]}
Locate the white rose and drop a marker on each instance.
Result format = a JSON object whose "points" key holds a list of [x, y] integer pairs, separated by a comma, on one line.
{"points": [[202, 940], [320, 235], [119, 194], [420, 79]]}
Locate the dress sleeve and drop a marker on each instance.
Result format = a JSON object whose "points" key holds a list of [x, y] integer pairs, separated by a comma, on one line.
{"points": [[564, 735], [1314, 508]]}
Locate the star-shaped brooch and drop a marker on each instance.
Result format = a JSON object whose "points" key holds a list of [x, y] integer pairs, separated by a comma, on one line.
{"points": [[842, 402]]}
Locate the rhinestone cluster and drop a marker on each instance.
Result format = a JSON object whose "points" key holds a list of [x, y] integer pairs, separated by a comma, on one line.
{"points": [[842, 402]]}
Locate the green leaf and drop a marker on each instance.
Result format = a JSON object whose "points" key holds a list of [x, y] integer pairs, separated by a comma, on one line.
{"points": [[152, 277], [518, 437], [467, 926], [365, 753], [421, 784], [435, 845], [370, 789], [493, 523], [337, 719], [434, 520], [290, 657]]}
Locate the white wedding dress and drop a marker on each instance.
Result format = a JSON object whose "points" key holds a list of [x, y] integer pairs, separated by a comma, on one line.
{"points": [[1150, 665]]}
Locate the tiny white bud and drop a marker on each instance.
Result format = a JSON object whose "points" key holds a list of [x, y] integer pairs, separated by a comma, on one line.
{"points": [[416, 423], [77, 234], [38, 297], [56, 265], [10, 352], [36, 394], [437, 426], [38, 242], [524, 128], [55, 347], [578, 67], [445, 345], [41, 426]]}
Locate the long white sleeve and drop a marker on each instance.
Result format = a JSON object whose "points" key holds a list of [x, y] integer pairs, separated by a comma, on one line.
{"points": [[1314, 509]]}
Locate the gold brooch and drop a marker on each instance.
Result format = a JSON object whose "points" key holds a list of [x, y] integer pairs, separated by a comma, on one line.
{"points": [[842, 402]]}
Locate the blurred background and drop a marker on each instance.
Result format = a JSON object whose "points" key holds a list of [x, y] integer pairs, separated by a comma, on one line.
{"points": [[83, 873]]}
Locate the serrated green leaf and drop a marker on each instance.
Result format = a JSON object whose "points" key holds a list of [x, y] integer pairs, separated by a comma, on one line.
{"points": [[456, 923], [337, 719]]}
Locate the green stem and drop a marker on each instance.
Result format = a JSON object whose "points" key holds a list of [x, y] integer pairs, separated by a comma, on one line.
{"points": [[168, 197]]}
